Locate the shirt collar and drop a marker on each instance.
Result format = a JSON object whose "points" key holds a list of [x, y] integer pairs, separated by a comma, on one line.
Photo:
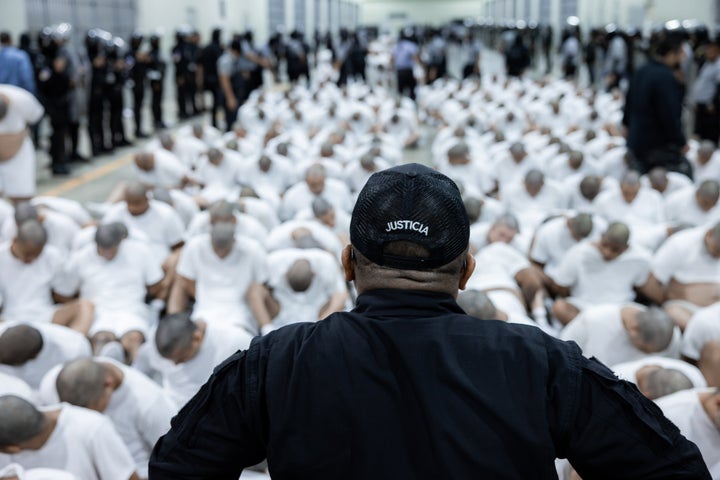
{"points": [[406, 303]]}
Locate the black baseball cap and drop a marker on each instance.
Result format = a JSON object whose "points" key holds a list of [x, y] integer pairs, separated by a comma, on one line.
{"points": [[410, 203]]}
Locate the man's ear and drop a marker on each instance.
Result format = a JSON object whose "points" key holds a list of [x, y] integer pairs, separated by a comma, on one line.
{"points": [[348, 262], [467, 271]]}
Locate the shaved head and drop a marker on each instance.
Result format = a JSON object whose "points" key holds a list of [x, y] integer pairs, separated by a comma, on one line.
{"points": [[222, 211], [300, 275], [81, 382], [25, 211], [617, 233], [19, 344], [477, 304], [31, 232], [135, 191], [20, 421]]}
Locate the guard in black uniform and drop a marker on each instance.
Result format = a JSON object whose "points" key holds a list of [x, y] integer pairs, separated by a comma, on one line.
{"points": [[181, 62], [207, 63], [116, 83], [408, 386], [54, 94], [95, 45], [137, 63], [156, 77]]}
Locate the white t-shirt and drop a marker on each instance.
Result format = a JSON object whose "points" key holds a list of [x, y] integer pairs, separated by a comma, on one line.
{"points": [[160, 223], [682, 207], [684, 257], [281, 236], [356, 176], [17, 174], [11, 385], [704, 326], [675, 182], [497, 265], [35, 473], [168, 171], [279, 177], [594, 281], [685, 410], [221, 284], [303, 306], [218, 180], [261, 209], [245, 225], [531, 211], [24, 109], [60, 228], [60, 345], [183, 380], [628, 370], [600, 333], [139, 409], [299, 197], [505, 171], [553, 240], [645, 209], [26, 288], [473, 176], [709, 171], [84, 443], [117, 288]]}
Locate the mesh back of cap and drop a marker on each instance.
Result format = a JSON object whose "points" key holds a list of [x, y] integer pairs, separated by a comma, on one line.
{"points": [[411, 203]]}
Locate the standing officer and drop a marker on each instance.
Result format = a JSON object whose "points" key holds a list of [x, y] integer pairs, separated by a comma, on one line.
{"points": [[95, 41], [156, 77], [407, 385], [181, 62], [115, 85], [137, 62], [207, 64], [54, 92]]}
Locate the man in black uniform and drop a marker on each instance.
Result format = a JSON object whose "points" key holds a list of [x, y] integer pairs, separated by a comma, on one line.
{"points": [[95, 45], [207, 64], [156, 77], [407, 385], [116, 83], [137, 63], [54, 94], [653, 111], [181, 62]]}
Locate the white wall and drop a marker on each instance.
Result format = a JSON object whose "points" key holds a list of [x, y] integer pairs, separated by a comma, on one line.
{"points": [[418, 11], [664, 10], [13, 17], [166, 15]]}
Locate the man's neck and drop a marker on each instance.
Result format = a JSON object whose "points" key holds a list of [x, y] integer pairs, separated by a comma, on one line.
{"points": [[51, 421]]}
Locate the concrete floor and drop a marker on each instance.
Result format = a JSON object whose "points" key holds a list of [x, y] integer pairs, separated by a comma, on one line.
{"points": [[92, 182]]}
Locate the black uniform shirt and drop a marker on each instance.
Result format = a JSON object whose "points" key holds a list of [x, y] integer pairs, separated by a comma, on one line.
{"points": [[407, 386]]}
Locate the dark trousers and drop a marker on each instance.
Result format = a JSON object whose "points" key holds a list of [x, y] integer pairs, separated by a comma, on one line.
{"points": [[406, 82], [217, 103], [181, 91], [59, 125], [95, 122], [157, 93], [138, 97], [707, 122], [117, 129]]}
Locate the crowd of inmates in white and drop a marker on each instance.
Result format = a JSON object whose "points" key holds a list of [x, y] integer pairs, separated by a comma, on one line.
{"points": [[233, 235]]}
